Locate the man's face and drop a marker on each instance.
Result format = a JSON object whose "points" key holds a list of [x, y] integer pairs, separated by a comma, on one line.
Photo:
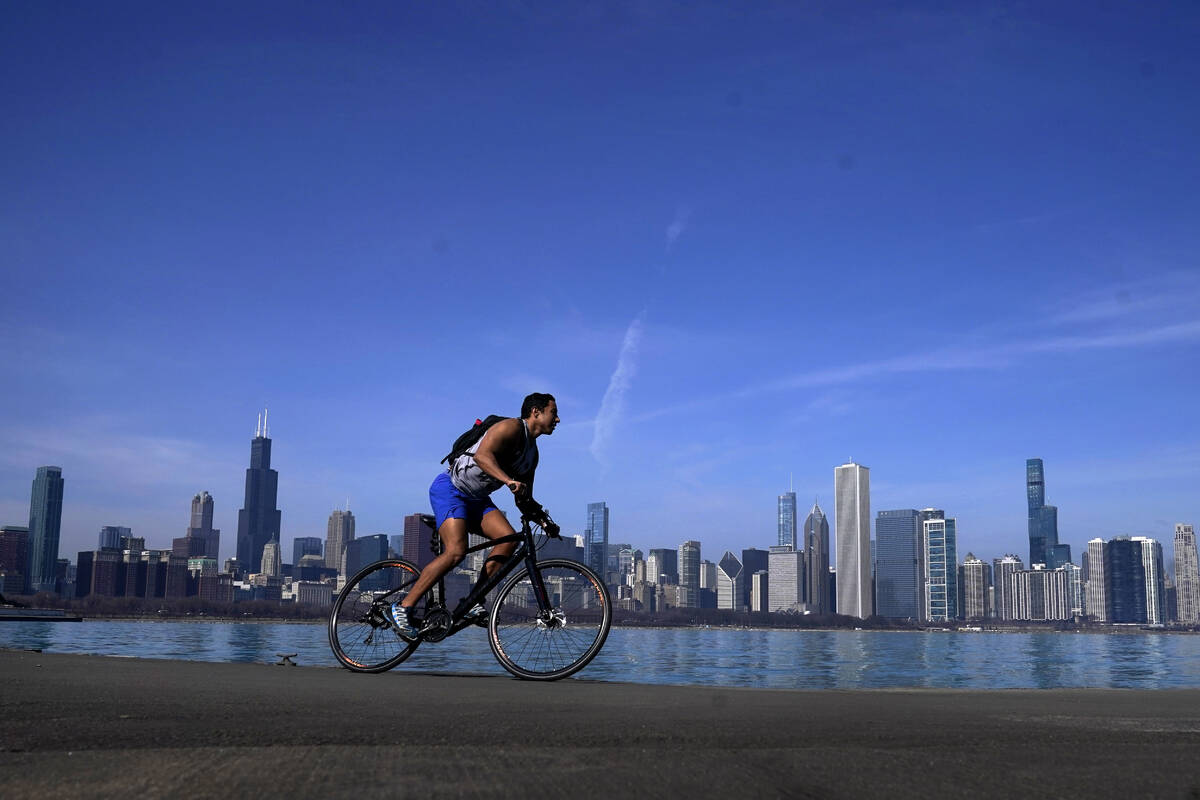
{"points": [[546, 418]]}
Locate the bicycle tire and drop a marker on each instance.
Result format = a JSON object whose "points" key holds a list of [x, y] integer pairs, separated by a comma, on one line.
{"points": [[361, 639], [535, 649]]}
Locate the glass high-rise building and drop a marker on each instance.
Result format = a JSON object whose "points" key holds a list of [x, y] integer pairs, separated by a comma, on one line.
{"points": [[852, 516], [898, 585], [662, 566], [595, 538], [339, 533], [689, 574], [111, 537], [1125, 579], [787, 519], [1187, 575], [305, 546], [259, 519], [1044, 547], [817, 589], [45, 526], [940, 556], [1003, 570], [753, 560]]}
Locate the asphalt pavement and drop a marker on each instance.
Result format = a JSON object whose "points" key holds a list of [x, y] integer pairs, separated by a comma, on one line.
{"points": [[84, 726]]}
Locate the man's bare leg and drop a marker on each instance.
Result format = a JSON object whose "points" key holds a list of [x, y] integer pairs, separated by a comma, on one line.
{"points": [[454, 548]]}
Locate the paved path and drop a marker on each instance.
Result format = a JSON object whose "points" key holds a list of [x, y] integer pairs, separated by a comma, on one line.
{"points": [[90, 726]]}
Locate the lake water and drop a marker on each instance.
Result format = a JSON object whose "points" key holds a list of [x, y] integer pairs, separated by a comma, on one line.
{"points": [[708, 656]]}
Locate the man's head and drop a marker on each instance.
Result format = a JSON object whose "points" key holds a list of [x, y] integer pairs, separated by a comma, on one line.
{"points": [[540, 413]]}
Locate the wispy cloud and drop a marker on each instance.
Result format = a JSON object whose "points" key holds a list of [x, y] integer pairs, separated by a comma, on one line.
{"points": [[1157, 295], [948, 359], [678, 226], [612, 407]]}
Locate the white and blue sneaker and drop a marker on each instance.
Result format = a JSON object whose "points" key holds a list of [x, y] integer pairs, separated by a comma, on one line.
{"points": [[401, 619], [477, 614]]}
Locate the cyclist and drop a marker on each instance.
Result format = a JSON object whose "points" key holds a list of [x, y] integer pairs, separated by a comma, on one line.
{"points": [[506, 455]]}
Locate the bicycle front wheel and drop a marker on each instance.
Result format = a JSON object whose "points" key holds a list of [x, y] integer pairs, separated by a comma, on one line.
{"points": [[360, 636], [547, 646]]}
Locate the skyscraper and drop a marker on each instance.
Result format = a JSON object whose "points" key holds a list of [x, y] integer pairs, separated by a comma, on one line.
{"points": [[689, 574], [202, 524], [940, 538], [852, 515], [663, 566], [339, 532], [1003, 570], [272, 562], [45, 525], [418, 534], [1096, 603], [787, 519], [973, 585], [898, 585], [1125, 579], [1043, 520], [305, 546], [1187, 575], [259, 519], [753, 560], [817, 593], [1152, 566], [786, 589], [729, 582], [595, 538], [111, 537]]}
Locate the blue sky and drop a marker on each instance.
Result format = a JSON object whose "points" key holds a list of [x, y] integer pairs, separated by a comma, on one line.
{"points": [[740, 247]]}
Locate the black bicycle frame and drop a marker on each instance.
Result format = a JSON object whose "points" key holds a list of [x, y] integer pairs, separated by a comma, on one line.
{"points": [[526, 553]]}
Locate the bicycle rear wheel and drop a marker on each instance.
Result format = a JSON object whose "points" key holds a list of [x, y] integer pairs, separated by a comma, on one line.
{"points": [[360, 636], [547, 647]]}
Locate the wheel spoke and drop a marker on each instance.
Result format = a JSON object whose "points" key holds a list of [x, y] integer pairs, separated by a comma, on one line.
{"points": [[531, 648], [359, 636]]}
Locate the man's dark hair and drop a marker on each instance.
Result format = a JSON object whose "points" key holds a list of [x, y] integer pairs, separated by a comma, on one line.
{"points": [[536, 401]]}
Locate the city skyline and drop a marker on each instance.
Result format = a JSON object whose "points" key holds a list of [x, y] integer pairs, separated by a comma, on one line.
{"points": [[680, 236]]}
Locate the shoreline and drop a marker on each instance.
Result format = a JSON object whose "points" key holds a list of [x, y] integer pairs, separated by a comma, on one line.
{"points": [[127, 726], [1132, 629]]}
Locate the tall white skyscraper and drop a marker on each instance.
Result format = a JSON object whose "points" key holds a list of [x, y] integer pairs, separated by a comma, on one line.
{"points": [[852, 517], [1155, 588], [338, 533], [729, 582], [271, 559], [1187, 575], [786, 588], [1096, 603]]}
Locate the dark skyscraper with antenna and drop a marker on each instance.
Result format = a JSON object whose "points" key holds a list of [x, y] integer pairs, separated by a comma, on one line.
{"points": [[1043, 521], [258, 520]]}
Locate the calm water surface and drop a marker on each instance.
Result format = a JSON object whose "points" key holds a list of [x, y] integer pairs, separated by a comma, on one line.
{"points": [[709, 656]]}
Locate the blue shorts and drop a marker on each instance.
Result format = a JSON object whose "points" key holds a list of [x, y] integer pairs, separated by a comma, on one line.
{"points": [[449, 503]]}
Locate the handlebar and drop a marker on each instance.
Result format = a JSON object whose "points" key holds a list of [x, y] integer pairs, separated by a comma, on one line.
{"points": [[533, 511]]}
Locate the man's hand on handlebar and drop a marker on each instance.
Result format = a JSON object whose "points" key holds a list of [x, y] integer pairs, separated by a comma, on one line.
{"points": [[518, 489], [533, 511]]}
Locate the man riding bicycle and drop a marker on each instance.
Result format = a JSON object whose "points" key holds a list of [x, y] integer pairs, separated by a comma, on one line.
{"points": [[507, 456]]}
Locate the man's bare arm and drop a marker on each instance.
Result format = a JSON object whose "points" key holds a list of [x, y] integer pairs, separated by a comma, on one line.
{"points": [[501, 436]]}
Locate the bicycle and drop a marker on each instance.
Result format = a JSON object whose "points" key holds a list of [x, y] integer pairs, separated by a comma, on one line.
{"points": [[548, 621]]}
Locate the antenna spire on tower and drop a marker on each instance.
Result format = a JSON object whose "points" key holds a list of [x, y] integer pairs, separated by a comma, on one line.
{"points": [[266, 431], [258, 427]]}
